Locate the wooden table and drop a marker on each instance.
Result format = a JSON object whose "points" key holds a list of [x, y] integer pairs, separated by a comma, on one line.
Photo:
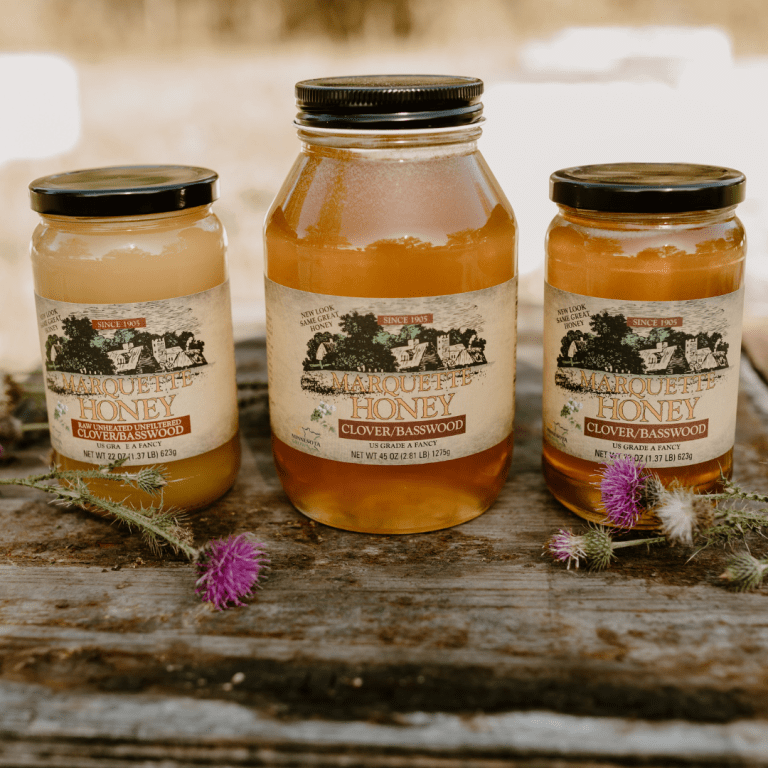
{"points": [[463, 647]]}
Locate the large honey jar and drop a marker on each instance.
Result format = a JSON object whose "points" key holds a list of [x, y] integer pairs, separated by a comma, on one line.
{"points": [[391, 307]]}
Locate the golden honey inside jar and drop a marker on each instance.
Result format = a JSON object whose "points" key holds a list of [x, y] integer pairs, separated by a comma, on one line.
{"points": [[135, 328], [391, 295], [642, 337]]}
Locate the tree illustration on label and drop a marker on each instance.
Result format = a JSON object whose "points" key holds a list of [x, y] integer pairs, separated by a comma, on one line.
{"points": [[94, 348], [615, 346], [79, 350], [360, 349], [365, 345]]}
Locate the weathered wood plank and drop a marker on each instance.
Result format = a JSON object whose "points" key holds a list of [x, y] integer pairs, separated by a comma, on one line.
{"points": [[151, 730], [756, 343], [358, 626], [508, 637]]}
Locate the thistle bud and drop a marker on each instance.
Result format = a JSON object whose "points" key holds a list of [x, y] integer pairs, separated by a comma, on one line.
{"points": [[744, 571], [598, 548]]}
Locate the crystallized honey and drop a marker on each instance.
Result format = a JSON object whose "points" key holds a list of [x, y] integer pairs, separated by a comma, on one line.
{"points": [[135, 328]]}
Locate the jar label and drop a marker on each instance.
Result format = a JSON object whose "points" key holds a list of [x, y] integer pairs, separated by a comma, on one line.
{"points": [[391, 381], [149, 382], [653, 379]]}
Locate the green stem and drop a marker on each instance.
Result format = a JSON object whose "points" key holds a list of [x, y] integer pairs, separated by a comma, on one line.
{"points": [[37, 426], [742, 516], [128, 479], [636, 542]]}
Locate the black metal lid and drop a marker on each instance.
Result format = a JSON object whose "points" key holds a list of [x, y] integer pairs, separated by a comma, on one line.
{"points": [[130, 190], [647, 187], [389, 102]]}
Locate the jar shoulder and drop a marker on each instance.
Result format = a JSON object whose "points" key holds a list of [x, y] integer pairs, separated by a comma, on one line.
{"points": [[654, 261], [625, 231], [138, 262], [358, 202], [83, 239]]}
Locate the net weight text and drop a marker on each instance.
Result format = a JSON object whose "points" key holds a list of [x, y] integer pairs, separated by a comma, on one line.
{"points": [[98, 456], [413, 455]]}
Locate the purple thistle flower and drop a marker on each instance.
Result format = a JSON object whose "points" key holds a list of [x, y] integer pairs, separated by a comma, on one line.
{"points": [[229, 569], [621, 490], [566, 547]]}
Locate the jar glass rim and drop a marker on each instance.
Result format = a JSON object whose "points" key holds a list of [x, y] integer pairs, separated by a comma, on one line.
{"points": [[394, 132]]}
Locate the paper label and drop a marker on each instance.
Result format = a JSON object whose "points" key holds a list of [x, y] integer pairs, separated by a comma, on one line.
{"points": [[147, 382], [391, 381], [656, 379]]}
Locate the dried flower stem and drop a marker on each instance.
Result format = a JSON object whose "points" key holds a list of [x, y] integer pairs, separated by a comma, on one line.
{"points": [[737, 493], [733, 491], [228, 569], [628, 490], [157, 526]]}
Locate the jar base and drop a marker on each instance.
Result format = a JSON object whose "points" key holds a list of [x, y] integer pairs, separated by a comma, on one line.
{"points": [[577, 492], [193, 483], [382, 521], [417, 498], [561, 473]]}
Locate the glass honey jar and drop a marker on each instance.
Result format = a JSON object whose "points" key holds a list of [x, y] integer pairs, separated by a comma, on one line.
{"points": [[391, 307], [642, 336], [135, 326]]}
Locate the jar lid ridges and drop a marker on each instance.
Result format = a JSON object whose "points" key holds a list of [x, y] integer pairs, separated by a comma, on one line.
{"points": [[131, 190], [647, 187], [389, 101]]}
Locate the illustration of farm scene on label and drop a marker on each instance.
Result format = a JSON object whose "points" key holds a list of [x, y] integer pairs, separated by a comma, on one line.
{"points": [[394, 380], [648, 380], [129, 383]]}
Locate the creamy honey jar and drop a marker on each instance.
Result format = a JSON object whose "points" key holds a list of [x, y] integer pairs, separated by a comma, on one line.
{"points": [[135, 325]]}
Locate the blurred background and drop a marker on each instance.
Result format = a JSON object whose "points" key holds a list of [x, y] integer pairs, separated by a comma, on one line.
{"points": [[87, 83]]}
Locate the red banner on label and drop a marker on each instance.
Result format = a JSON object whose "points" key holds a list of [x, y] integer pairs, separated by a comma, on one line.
{"points": [[655, 322], [406, 430], [403, 319], [124, 433], [114, 325], [619, 431]]}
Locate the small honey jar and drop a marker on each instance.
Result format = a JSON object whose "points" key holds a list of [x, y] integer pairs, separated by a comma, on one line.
{"points": [[642, 337], [135, 327]]}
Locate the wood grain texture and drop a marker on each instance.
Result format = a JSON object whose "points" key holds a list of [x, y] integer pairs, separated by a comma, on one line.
{"points": [[107, 729], [362, 629], [756, 343]]}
